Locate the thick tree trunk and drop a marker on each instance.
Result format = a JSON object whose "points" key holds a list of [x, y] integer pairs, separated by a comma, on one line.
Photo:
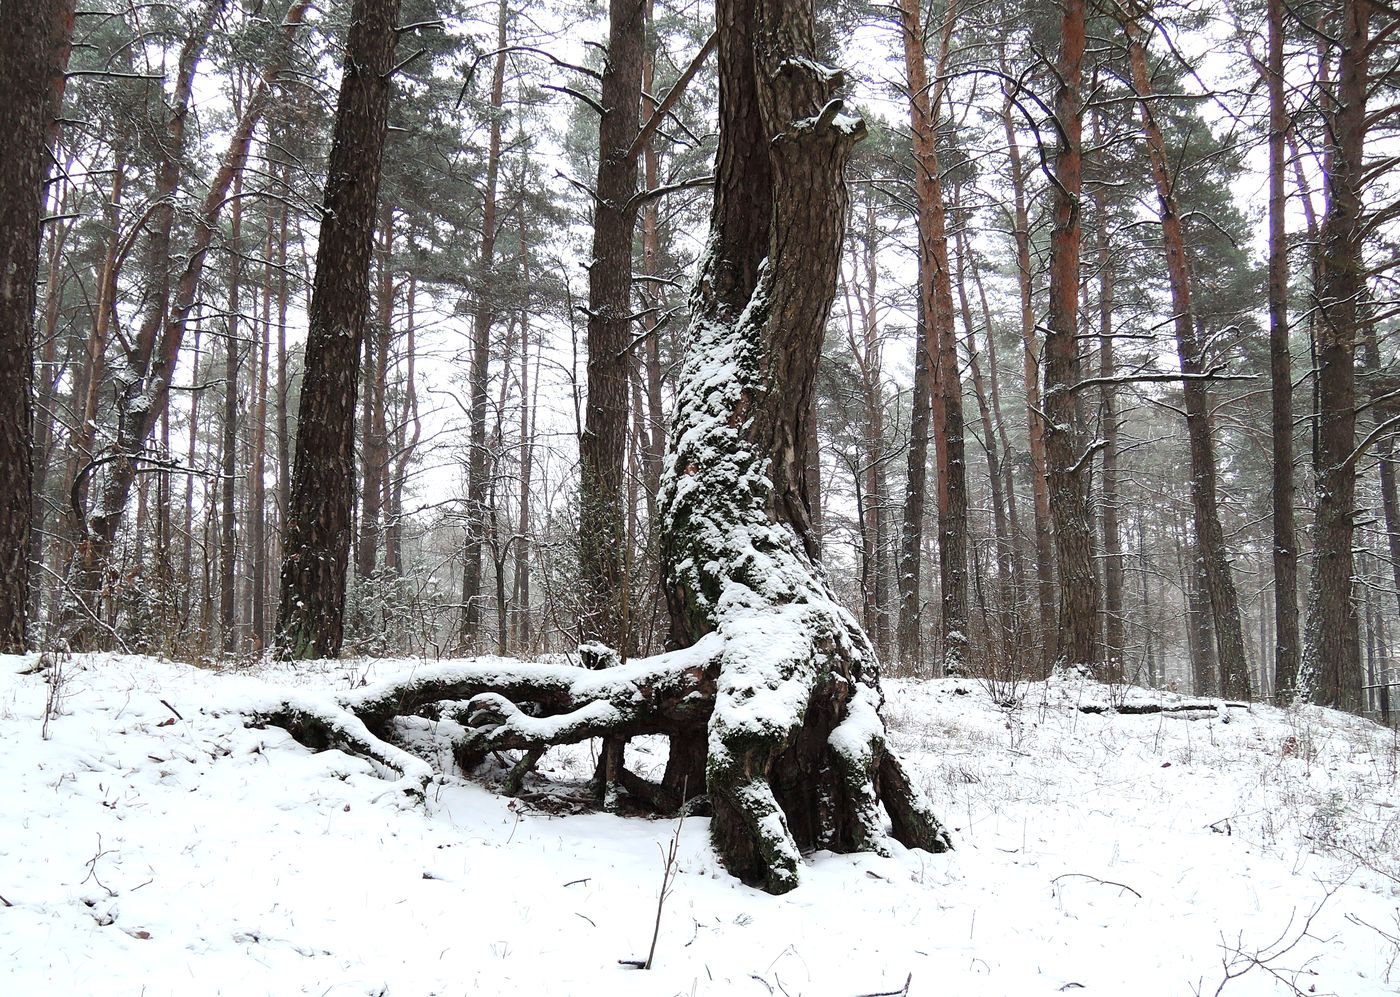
{"points": [[797, 749], [1066, 440], [317, 545], [34, 45], [1331, 665], [602, 549]]}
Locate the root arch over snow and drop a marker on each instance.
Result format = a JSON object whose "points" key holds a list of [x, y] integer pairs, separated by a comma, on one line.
{"points": [[500, 704]]}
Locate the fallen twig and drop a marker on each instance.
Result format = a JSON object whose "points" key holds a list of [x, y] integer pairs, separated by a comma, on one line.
{"points": [[1096, 879], [901, 992]]}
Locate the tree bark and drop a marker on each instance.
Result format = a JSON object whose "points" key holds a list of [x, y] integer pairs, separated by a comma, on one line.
{"points": [[1285, 531], [228, 463], [935, 285], [1065, 430], [483, 317], [1108, 478], [317, 545], [34, 46], [1331, 665], [602, 547], [737, 540]]}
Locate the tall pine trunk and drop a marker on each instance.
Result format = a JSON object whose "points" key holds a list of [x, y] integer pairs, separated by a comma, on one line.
{"points": [[316, 549], [1066, 440], [1210, 540], [34, 45], [1285, 531], [1331, 665], [602, 545]]}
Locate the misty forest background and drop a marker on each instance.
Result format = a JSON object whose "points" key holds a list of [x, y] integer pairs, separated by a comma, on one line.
{"points": [[1196, 489]]}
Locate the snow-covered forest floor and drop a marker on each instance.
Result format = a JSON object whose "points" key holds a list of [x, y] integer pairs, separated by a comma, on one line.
{"points": [[1121, 854]]}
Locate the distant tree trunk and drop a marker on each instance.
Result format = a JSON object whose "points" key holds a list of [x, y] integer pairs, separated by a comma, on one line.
{"points": [[1065, 436], [935, 285], [1331, 666], [375, 458], [1035, 419], [654, 435], [1108, 478], [47, 374], [1224, 601], [1285, 531], [410, 432], [527, 457], [483, 317], [990, 443], [284, 435], [605, 612], [1018, 568], [257, 473], [871, 492], [316, 550], [737, 521], [228, 463], [1385, 457]]}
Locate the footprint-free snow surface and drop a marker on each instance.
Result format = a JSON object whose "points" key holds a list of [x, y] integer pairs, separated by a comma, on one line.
{"points": [[153, 844]]}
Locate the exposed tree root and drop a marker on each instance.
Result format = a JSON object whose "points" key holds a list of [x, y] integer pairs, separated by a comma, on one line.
{"points": [[775, 793]]}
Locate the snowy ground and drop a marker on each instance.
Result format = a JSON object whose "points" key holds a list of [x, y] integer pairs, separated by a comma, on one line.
{"points": [[1117, 854]]}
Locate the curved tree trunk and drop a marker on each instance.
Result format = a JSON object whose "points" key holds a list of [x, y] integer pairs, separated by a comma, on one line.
{"points": [[796, 747], [316, 550], [1210, 539]]}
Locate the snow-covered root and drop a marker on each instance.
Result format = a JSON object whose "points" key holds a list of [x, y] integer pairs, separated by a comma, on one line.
{"points": [[660, 693], [503, 704], [797, 757], [322, 726]]}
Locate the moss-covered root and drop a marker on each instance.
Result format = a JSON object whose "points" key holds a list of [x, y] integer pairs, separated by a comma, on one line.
{"points": [[750, 832], [861, 828], [912, 821]]}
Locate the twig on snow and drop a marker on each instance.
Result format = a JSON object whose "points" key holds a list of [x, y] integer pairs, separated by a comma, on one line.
{"points": [[1096, 879], [901, 992]]}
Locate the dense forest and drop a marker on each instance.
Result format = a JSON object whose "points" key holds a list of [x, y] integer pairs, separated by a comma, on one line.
{"points": [[1054, 333]]}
